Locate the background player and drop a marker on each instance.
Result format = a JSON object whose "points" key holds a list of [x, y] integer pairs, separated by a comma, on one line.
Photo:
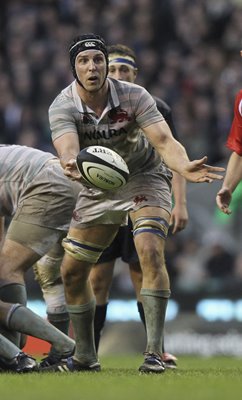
{"points": [[234, 169], [122, 66]]}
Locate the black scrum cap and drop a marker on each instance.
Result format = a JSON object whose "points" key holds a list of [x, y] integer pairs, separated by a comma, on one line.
{"points": [[88, 41]]}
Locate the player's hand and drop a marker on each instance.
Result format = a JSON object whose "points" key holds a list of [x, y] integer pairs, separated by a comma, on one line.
{"points": [[223, 200], [71, 170], [197, 171], [179, 218]]}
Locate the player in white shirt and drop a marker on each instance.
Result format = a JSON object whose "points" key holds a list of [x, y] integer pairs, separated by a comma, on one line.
{"points": [[39, 200], [96, 110]]}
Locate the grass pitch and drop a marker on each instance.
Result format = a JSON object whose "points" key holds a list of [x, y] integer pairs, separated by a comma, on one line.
{"points": [[196, 379]]}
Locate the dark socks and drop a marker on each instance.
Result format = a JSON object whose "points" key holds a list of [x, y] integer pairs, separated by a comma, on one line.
{"points": [[99, 322], [61, 321], [141, 313]]}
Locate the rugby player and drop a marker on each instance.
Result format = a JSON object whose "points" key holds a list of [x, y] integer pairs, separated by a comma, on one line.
{"points": [[18, 318], [122, 66], [93, 110], [39, 200], [234, 168]]}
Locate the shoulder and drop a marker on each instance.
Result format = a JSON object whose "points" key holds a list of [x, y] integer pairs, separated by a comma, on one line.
{"points": [[64, 99], [126, 87], [129, 95]]}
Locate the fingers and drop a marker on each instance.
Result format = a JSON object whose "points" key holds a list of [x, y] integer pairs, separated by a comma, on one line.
{"points": [[209, 178], [71, 163], [214, 176], [202, 160], [177, 228], [73, 175], [209, 168], [177, 225], [223, 203], [225, 209]]}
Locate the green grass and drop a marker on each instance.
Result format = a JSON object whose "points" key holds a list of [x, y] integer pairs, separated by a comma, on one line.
{"points": [[196, 379]]}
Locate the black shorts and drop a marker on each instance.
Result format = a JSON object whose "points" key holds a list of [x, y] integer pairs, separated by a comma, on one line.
{"points": [[122, 247]]}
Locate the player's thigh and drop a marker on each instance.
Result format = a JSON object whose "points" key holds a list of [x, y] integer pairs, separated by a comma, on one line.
{"points": [[37, 239], [84, 247], [101, 235], [15, 259], [150, 212]]}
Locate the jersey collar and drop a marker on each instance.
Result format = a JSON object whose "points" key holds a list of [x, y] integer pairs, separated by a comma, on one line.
{"points": [[113, 100]]}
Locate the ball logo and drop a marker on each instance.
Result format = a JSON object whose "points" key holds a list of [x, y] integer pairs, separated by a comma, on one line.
{"points": [[112, 157], [89, 44], [102, 167]]}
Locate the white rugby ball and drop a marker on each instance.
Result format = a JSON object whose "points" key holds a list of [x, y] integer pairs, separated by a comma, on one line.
{"points": [[102, 167]]}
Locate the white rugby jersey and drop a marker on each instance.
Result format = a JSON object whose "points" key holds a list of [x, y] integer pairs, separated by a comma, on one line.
{"points": [[19, 165], [130, 108]]}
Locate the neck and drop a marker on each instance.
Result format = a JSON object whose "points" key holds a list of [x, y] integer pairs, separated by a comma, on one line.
{"points": [[97, 101]]}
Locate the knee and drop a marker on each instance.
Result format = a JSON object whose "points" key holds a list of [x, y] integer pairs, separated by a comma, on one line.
{"points": [[74, 274], [47, 272], [151, 254], [99, 285]]}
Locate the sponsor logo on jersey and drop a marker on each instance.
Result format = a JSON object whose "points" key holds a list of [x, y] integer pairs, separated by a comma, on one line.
{"points": [[96, 134], [118, 115]]}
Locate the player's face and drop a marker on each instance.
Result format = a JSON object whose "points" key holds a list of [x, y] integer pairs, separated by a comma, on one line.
{"points": [[91, 67], [122, 72]]}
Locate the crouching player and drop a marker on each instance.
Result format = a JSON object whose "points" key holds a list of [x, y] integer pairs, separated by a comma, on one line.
{"points": [[39, 199]]}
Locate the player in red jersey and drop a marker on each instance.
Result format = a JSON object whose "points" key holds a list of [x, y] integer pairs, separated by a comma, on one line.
{"points": [[234, 169]]}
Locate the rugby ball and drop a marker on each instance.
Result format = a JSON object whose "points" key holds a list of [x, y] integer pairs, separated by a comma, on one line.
{"points": [[102, 167]]}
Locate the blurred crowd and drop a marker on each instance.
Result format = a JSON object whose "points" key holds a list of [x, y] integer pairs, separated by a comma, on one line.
{"points": [[188, 53]]}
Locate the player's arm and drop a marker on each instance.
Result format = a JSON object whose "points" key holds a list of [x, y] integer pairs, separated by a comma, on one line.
{"points": [[67, 147], [175, 156], [232, 178], [179, 215]]}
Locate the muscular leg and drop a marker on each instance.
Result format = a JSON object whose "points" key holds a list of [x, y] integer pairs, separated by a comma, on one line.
{"points": [[23, 246], [15, 259], [19, 318], [47, 273], [79, 294], [136, 278], [155, 289], [101, 279], [8, 350]]}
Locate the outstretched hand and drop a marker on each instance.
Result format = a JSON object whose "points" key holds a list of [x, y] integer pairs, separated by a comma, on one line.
{"points": [[71, 170], [198, 172], [223, 200]]}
